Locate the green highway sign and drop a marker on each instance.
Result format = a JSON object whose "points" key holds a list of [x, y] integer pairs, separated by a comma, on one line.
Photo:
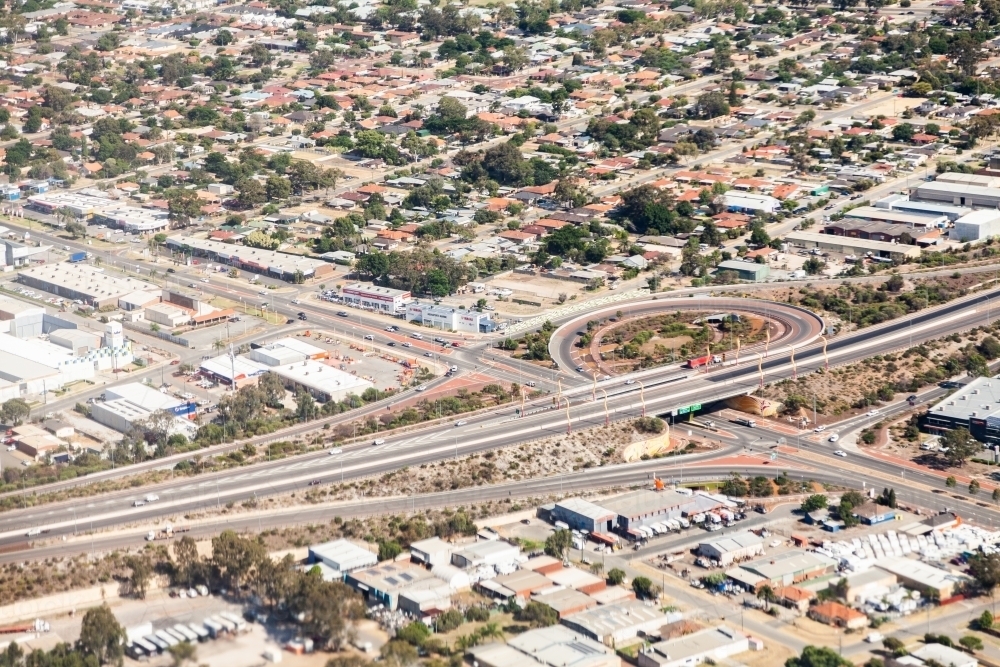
{"points": [[687, 409]]}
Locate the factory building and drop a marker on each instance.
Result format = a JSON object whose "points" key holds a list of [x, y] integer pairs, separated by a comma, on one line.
{"points": [[790, 567], [749, 202], [976, 226], [373, 297], [749, 271], [581, 514], [852, 246], [554, 646], [957, 194], [22, 254], [91, 285], [448, 319], [975, 407], [612, 624], [643, 507], [257, 260], [233, 369], [730, 548], [21, 319], [711, 645], [901, 202], [934, 582], [897, 217], [128, 404], [339, 557]]}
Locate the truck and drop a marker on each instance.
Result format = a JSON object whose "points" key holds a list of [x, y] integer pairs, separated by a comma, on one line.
{"points": [[165, 534], [698, 362], [77, 257], [745, 421], [151, 497]]}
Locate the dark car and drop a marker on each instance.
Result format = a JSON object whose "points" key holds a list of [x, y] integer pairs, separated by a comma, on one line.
{"points": [[391, 343], [171, 271], [315, 482], [303, 317], [342, 313]]}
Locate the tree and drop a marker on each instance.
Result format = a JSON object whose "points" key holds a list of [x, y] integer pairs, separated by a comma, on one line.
{"points": [[183, 653], [814, 502], [277, 188], [224, 38], [537, 615], [76, 229], [514, 58], [15, 411], [388, 550], [102, 636], [188, 563], [985, 620], [960, 444], [399, 654], [813, 656], [966, 52], [183, 206], [985, 570], [415, 633], [616, 576], [712, 105], [328, 608], [971, 643], [558, 543], [236, 557], [251, 192], [903, 132], [141, 571], [644, 588]]}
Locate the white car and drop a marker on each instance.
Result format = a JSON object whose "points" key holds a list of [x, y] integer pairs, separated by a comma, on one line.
{"points": [[421, 388], [833, 438], [819, 429], [407, 344], [204, 280], [335, 451], [841, 453], [461, 422], [629, 381], [873, 412], [296, 301]]}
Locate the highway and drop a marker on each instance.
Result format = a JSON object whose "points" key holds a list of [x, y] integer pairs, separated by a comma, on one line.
{"points": [[493, 430]]}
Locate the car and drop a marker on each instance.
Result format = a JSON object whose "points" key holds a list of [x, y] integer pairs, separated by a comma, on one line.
{"points": [[336, 450], [819, 429], [171, 270], [407, 344], [303, 317], [378, 441], [296, 301], [342, 313], [391, 343], [204, 280], [579, 369], [421, 388], [263, 292], [192, 285], [461, 422], [629, 381], [833, 438], [416, 336], [872, 412], [440, 340], [315, 482], [175, 362], [526, 522], [429, 354], [139, 503], [456, 344], [389, 329], [841, 453]]}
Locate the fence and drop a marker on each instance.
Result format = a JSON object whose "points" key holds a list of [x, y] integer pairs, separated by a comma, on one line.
{"points": [[170, 338]]}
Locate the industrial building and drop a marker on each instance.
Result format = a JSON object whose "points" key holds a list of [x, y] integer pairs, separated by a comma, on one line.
{"points": [[490, 553], [79, 205], [286, 351], [431, 552], [581, 514], [21, 319], [554, 646], [233, 370], [730, 548], [126, 404], [934, 582], [975, 407], [958, 194], [852, 246], [791, 567], [448, 319], [339, 557], [897, 217], [976, 226], [901, 202], [373, 297], [383, 583], [939, 654], [91, 285], [643, 507], [21, 254], [323, 381], [749, 271], [613, 624], [257, 260], [749, 202], [132, 219], [708, 645]]}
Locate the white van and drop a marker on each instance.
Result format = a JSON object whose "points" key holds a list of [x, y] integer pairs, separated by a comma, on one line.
{"points": [[379, 441]]}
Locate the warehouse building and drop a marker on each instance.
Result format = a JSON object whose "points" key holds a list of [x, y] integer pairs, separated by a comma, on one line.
{"points": [[850, 246], [897, 217], [712, 645], [20, 319], [233, 369], [613, 624], [976, 226], [431, 552], [448, 319], [79, 205], [383, 583], [339, 557], [373, 297], [257, 260], [91, 285], [493, 553], [731, 548], [750, 202], [555, 646], [957, 194], [132, 219], [126, 404], [21, 254], [643, 507], [749, 271], [901, 202], [287, 351], [857, 228], [934, 582], [791, 567], [939, 654], [975, 407], [324, 382], [580, 514]]}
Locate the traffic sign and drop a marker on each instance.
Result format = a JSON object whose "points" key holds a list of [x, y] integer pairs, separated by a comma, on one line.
{"points": [[686, 409]]}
